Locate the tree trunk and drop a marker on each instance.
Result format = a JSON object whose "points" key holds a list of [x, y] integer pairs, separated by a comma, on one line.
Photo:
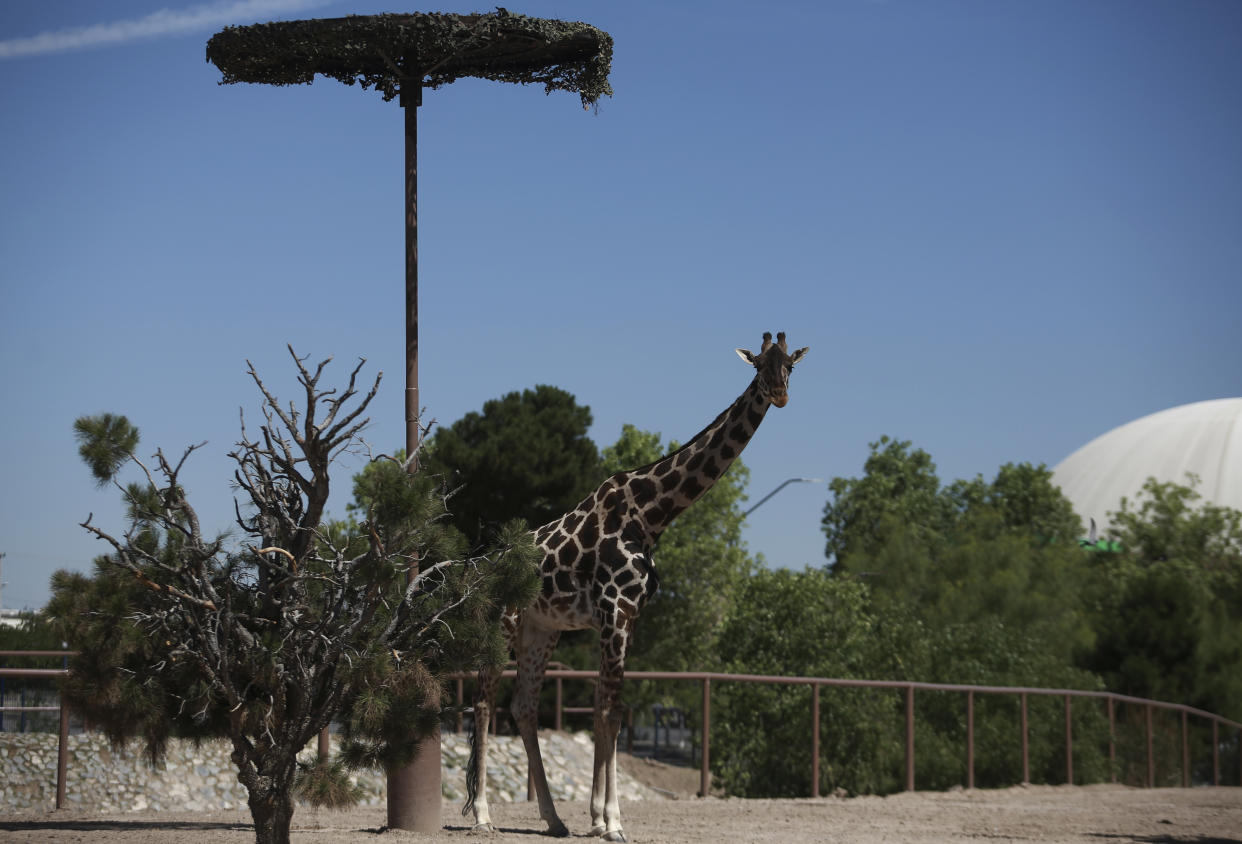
{"points": [[272, 811], [268, 776]]}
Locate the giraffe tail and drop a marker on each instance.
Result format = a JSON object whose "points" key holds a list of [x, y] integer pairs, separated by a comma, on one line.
{"points": [[472, 769]]}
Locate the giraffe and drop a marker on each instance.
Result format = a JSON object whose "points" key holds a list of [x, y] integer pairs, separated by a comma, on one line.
{"points": [[598, 572]]}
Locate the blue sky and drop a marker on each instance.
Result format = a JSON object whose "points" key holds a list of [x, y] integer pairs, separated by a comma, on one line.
{"points": [[1003, 229]]}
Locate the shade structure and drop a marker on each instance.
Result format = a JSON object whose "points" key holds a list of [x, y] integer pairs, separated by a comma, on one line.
{"points": [[388, 52], [1203, 438], [399, 56]]}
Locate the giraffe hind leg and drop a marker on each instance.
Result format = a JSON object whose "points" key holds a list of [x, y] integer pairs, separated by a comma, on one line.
{"points": [[476, 768], [535, 646]]}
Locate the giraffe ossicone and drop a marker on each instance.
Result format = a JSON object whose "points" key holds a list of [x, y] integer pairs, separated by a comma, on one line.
{"points": [[598, 572]]}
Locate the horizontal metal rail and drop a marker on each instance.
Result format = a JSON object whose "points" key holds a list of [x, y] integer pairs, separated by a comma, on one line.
{"points": [[706, 678], [32, 673], [62, 744]]}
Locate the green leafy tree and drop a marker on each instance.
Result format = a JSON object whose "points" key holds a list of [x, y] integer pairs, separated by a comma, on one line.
{"points": [[1024, 500], [993, 553], [1169, 605], [988, 580], [809, 624], [267, 640], [525, 455], [32, 633], [898, 487]]}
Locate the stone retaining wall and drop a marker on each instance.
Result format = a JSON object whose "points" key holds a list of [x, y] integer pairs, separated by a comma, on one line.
{"points": [[202, 778]]}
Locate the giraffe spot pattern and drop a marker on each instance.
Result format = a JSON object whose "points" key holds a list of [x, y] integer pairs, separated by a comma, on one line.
{"points": [[588, 534], [613, 521], [692, 487], [644, 490], [585, 567]]}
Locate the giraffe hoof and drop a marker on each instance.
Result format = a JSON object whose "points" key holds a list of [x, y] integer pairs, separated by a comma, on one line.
{"points": [[615, 835], [482, 829], [558, 830]]}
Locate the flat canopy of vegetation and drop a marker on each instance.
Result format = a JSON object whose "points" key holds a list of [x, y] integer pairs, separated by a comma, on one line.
{"points": [[386, 51]]}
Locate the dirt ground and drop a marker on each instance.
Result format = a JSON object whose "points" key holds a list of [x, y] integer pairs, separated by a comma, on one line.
{"points": [[1100, 814]]}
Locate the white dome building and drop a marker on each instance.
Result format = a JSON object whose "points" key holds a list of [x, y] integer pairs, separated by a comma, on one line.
{"points": [[1204, 438]]}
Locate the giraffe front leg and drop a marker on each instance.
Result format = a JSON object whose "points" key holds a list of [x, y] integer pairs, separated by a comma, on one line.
{"points": [[605, 800], [535, 646]]}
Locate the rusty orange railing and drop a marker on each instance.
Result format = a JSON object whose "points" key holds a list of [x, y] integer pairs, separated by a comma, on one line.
{"points": [[909, 688], [707, 678]]}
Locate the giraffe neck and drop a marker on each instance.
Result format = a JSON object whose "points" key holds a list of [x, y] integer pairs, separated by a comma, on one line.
{"points": [[669, 486]]}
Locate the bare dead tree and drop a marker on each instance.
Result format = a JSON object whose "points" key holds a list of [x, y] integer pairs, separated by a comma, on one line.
{"points": [[270, 641]]}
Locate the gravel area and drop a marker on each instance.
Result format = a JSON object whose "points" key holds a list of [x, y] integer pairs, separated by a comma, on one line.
{"points": [[1081, 815]]}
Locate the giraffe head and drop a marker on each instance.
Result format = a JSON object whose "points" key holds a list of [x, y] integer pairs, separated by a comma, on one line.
{"points": [[773, 365]]}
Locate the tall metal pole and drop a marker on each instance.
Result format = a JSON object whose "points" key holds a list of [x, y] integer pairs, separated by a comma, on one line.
{"points": [[414, 790], [411, 100]]}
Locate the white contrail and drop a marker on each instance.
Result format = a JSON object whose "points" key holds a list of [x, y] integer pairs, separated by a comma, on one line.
{"points": [[154, 25]]}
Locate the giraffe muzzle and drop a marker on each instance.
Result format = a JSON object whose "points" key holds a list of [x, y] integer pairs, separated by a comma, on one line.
{"points": [[781, 400]]}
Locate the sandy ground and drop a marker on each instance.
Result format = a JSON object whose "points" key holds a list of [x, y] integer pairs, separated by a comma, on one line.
{"points": [[1083, 815]]}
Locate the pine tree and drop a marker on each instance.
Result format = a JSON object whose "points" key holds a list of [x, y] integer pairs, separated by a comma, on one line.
{"points": [[268, 640]]}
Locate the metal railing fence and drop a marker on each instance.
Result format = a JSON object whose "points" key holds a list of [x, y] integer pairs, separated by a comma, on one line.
{"points": [[907, 688], [62, 746]]}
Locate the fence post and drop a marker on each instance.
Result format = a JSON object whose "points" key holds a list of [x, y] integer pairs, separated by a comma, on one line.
{"points": [[62, 754], [909, 738], [1151, 757], [1112, 740], [970, 739], [815, 739], [1069, 741], [1026, 750], [1215, 752], [1185, 749], [705, 777]]}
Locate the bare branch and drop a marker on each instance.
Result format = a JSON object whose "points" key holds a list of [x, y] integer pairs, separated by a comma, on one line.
{"points": [[281, 631]]}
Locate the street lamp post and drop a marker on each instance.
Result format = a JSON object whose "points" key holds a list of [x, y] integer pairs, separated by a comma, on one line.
{"points": [[779, 488]]}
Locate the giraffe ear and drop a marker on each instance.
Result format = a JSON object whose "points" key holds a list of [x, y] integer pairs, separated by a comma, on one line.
{"points": [[799, 355], [746, 355]]}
